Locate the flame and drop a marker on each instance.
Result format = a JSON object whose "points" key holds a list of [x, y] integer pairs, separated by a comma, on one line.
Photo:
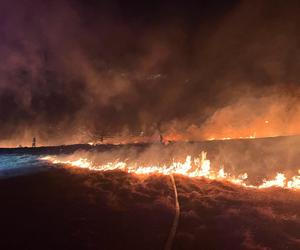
{"points": [[279, 181], [191, 167], [253, 136]]}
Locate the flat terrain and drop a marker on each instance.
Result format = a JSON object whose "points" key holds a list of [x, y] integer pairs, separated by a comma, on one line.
{"points": [[67, 208], [63, 209]]}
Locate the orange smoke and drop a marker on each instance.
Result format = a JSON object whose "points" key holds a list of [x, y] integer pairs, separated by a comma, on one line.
{"points": [[246, 118]]}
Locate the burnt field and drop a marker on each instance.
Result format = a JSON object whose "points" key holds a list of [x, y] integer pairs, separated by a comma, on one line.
{"points": [[145, 125], [56, 207], [62, 209]]}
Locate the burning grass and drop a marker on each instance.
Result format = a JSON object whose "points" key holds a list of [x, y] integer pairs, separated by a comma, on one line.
{"points": [[191, 167]]}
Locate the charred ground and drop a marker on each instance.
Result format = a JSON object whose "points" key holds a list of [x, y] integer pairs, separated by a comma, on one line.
{"points": [[67, 208], [79, 209]]}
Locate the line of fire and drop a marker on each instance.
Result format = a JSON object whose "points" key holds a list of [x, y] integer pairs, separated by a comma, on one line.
{"points": [[149, 125]]}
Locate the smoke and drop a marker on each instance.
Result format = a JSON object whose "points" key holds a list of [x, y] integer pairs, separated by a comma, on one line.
{"points": [[249, 116], [73, 71], [261, 159]]}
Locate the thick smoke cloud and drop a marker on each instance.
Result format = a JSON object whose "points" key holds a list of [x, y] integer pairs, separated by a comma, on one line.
{"points": [[73, 71]]}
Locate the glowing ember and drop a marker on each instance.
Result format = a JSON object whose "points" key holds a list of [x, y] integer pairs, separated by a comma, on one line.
{"points": [[191, 167]]}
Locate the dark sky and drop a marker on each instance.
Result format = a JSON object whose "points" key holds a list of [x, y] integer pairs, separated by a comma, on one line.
{"points": [[71, 71]]}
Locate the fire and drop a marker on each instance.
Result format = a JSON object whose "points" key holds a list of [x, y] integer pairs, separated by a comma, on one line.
{"points": [[191, 167], [279, 181], [294, 182], [253, 136], [232, 138]]}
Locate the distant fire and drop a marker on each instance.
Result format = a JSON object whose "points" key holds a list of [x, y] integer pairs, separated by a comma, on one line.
{"points": [[232, 138], [191, 167]]}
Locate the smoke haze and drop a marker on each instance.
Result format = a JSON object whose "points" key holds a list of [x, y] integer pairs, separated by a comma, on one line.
{"points": [[73, 71]]}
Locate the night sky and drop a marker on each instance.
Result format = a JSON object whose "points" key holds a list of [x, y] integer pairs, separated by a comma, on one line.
{"points": [[73, 71]]}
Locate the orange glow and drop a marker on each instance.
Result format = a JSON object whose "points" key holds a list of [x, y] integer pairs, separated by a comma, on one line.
{"points": [[191, 167]]}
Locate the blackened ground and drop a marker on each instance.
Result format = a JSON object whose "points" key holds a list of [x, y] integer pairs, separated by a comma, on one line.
{"points": [[79, 209], [60, 209], [217, 215]]}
